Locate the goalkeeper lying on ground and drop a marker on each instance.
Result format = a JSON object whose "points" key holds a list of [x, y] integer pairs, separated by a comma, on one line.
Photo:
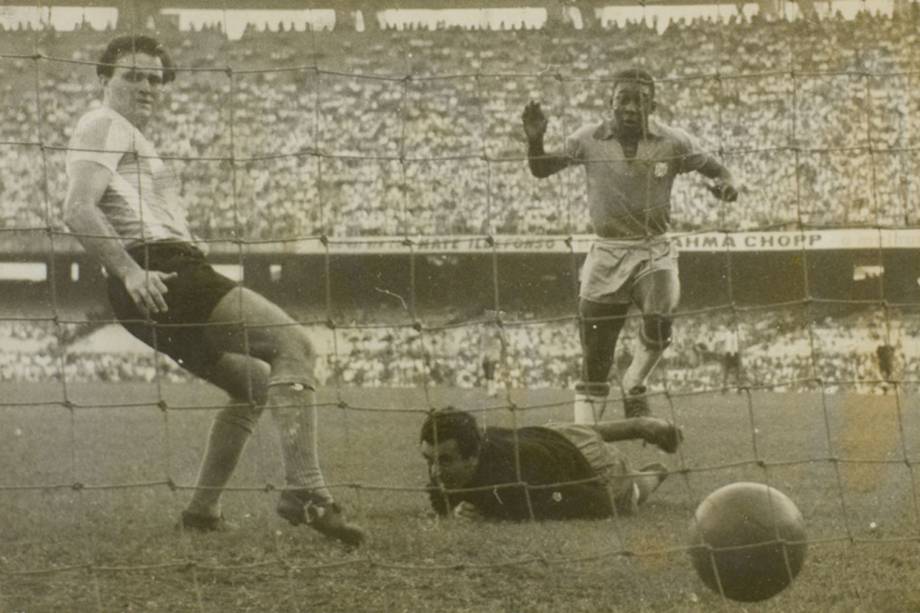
{"points": [[571, 471]]}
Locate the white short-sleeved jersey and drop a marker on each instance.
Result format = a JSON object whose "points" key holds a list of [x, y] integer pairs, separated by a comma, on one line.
{"points": [[630, 198], [491, 342], [731, 342], [141, 201]]}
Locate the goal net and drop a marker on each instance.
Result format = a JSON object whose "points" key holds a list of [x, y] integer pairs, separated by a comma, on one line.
{"points": [[373, 182]]}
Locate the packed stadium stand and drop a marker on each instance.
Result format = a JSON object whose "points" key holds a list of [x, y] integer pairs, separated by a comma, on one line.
{"points": [[398, 133], [780, 352], [285, 135]]}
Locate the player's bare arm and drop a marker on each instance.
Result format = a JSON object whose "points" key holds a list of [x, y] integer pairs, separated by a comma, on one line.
{"points": [[83, 216], [541, 163], [722, 185]]}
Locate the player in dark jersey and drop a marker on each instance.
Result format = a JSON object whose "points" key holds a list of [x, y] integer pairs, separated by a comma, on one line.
{"points": [[885, 354], [123, 205], [555, 471], [630, 164]]}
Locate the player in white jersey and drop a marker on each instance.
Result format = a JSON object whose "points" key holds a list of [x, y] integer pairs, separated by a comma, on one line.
{"points": [[122, 204], [630, 164], [731, 359], [493, 346]]}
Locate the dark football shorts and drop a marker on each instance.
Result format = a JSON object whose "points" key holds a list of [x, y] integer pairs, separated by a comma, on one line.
{"points": [[488, 368], [191, 298], [732, 360]]}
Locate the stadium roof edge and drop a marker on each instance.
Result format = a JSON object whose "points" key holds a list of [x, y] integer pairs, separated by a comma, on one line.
{"points": [[352, 5]]}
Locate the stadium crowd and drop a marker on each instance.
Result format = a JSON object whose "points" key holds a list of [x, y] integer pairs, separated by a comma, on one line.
{"points": [[293, 134], [287, 135], [781, 349]]}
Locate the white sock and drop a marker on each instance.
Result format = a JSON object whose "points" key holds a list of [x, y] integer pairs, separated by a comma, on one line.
{"points": [[589, 408], [295, 416]]}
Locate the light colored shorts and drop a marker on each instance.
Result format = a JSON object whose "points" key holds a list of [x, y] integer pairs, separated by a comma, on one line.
{"points": [[613, 266], [605, 458]]}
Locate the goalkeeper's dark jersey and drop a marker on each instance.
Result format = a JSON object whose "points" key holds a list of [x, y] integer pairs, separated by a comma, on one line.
{"points": [[546, 459]]}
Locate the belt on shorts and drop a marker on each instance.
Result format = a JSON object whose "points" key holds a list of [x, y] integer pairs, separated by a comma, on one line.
{"points": [[138, 252]]}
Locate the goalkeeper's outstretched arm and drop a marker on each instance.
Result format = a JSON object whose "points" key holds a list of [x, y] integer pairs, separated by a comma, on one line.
{"points": [[541, 163]]}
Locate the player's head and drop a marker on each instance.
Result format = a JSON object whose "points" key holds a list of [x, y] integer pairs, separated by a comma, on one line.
{"points": [[450, 442], [132, 70], [632, 98]]}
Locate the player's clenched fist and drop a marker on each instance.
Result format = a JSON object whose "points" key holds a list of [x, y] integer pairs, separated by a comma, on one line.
{"points": [[535, 121], [723, 190], [147, 289], [468, 511]]}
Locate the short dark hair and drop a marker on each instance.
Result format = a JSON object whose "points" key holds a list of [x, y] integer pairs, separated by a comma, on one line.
{"points": [[123, 45], [451, 423], [634, 75]]}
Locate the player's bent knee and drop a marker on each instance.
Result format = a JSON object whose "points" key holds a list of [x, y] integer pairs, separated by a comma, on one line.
{"points": [[656, 331], [294, 359], [240, 413]]}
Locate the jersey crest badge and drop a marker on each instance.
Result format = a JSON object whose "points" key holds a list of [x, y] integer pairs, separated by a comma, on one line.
{"points": [[661, 170]]}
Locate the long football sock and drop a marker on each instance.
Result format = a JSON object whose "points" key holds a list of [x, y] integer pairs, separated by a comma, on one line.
{"points": [[295, 416], [590, 402], [226, 442], [589, 409], [643, 363]]}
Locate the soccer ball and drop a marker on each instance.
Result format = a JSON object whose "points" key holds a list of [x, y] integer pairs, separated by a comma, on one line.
{"points": [[747, 541]]}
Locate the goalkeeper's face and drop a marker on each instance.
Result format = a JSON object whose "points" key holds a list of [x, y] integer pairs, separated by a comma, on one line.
{"points": [[447, 466]]}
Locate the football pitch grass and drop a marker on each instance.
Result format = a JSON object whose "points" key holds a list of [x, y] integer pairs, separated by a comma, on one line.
{"points": [[89, 498]]}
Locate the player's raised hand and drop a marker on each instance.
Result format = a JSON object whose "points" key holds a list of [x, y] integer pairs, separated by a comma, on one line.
{"points": [[723, 190], [147, 289], [534, 120]]}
